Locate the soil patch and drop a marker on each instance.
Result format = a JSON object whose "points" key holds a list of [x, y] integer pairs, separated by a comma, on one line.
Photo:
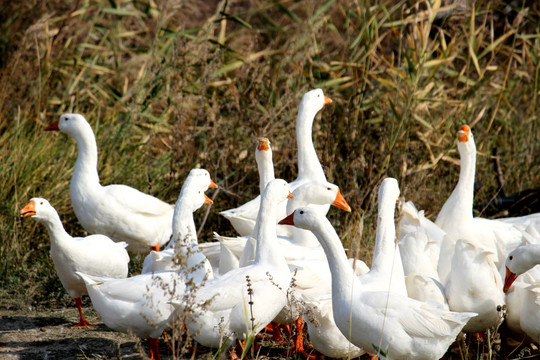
{"points": [[27, 334]]}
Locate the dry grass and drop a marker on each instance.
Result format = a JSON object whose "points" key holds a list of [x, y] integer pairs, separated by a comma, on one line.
{"points": [[168, 86]]}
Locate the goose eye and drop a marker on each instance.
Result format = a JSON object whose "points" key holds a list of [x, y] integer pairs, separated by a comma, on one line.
{"points": [[41, 203], [302, 212], [328, 189], [510, 257]]}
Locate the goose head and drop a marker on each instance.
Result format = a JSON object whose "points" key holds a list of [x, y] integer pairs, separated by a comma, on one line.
{"points": [[199, 178], [315, 100], [71, 124], [303, 218], [466, 144], [519, 261], [319, 193], [389, 191], [38, 208], [277, 190], [263, 144]]}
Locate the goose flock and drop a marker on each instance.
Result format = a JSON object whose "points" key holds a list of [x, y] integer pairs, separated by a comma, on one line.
{"points": [[429, 281]]}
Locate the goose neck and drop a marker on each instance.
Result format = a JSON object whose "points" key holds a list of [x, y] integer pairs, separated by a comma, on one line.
{"points": [[458, 207], [266, 171], [343, 277], [267, 250], [56, 230], [87, 158], [183, 225], [385, 246], [308, 161]]}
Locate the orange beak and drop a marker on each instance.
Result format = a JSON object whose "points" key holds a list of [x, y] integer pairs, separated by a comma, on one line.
{"points": [[290, 196], [289, 220], [264, 144], [207, 200], [327, 100], [509, 279], [53, 126], [29, 209], [340, 202], [213, 184], [463, 133]]}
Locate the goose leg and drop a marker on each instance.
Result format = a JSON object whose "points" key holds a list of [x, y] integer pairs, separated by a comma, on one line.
{"points": [[83, 323], [274, 328], [299, 340], [153, 348]]}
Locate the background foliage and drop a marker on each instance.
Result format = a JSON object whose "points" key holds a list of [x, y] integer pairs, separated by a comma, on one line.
{"points": [[171, 85]]}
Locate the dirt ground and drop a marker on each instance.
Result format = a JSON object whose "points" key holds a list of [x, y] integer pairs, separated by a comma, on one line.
{"points": [[37, 334]]}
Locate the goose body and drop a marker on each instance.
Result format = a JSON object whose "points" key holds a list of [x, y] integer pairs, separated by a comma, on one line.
{"points": [[118, 211], [475, 285], [419, 237], [401, 327], [139, 305], [419, 245], [94, 254], [323, 332]]}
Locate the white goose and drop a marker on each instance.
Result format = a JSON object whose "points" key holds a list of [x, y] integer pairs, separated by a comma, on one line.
{"points": [[184, 237], [142, 304], [379, 321], [231, 310], [309, 167], [305, 255], [481, 239], [94, 254], [313, 278], [522, 288], [243, 218], [118, 211], [139, 305], [456, 217]]}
